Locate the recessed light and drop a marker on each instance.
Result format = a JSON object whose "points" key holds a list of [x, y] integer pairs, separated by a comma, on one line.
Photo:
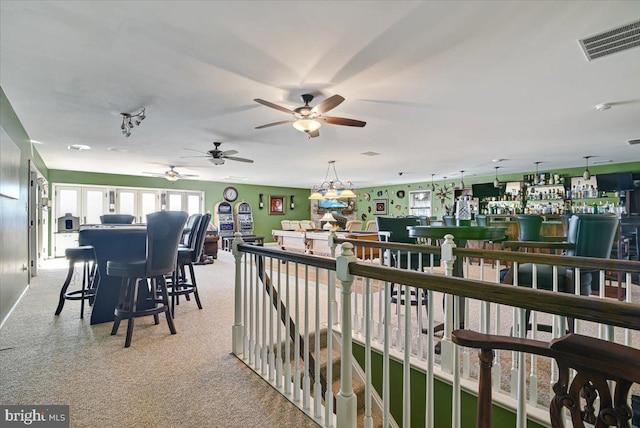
{"points": [[117, 149], [78, 147], [497, 160], [370, 153], [603, 107]]}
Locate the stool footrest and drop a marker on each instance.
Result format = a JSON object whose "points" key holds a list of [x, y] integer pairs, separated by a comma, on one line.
{"points": [[79, 294]]}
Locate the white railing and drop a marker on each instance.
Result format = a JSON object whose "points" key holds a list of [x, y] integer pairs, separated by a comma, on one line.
{"points": [[286, 300]]}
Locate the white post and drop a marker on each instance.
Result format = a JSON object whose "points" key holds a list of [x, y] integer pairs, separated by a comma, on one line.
{"points": [[237, 332], [346, 400], [446, 345]]}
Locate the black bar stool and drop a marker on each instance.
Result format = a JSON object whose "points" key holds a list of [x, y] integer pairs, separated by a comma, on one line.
{"points": [[164, 230], [87, 256]]}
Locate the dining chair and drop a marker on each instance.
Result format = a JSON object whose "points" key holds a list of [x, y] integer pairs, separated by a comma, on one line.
{"points": [[180, 284], [353, 225], [529, 226], [164, 230], [116, 219]]}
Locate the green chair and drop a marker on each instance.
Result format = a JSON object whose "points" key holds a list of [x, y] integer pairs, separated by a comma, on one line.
{"points": [[592, 235], [529, 226]]}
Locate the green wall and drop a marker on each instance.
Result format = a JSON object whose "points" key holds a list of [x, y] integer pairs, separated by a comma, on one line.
{"points": [[264, 223], [399, 206], [442, 393]]}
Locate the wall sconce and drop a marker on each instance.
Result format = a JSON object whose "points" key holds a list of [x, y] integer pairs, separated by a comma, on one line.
{"points": [[261, 203], [112, 201], [291, 205], [163, 202]]}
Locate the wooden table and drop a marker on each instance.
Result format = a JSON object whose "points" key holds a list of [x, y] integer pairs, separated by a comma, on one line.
{"points": [[118, 243]]}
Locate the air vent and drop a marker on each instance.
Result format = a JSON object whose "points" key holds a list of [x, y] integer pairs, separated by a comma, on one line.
{"points": [[632, 142], [611, 41]]}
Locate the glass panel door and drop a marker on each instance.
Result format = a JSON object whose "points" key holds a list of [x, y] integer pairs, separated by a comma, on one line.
{"points": [[94, 204], [67, 200], [149, 203], [126, 202], [175, 202], [193, 204]]}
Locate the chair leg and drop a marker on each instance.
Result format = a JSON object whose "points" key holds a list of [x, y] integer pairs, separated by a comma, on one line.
{"points": [[165, 301], [193, 284], [124, 285], [484, 391], [133, 300], [63, 290]]}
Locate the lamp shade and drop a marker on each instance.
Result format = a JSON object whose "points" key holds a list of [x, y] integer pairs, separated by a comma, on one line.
{"points": [[331, 194], [347, 193], [316, 196], [328, 217], [306, 125]]}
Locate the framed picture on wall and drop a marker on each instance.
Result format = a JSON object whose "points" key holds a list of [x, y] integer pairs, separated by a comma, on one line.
{"points": [[380, 206], [276, 205]]}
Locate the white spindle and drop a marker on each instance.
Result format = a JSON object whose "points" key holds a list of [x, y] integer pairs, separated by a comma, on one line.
{"points": [[368, 420], [272, 360], [296, 338], [287, 331], [306, 383]]}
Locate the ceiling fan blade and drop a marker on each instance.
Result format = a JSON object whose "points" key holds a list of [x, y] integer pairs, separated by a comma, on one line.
{"points": [[328, 104], [194, 150], [342, 121], [202, 156], [314, 134], [272, 105], [233, 158], [188, 175], [229, 152], [282, 122], [154, 174]]}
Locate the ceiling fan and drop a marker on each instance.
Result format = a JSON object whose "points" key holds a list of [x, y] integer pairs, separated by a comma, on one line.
{"points": [[309, 119], [217, 156], [171, 174]]}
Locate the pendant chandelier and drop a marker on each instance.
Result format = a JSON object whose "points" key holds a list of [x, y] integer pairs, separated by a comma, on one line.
{"points": [[332, 189], [586, 174], [496, 182]]}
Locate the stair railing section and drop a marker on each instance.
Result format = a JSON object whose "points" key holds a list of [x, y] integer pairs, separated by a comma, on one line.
{"points": [[365, 313]]}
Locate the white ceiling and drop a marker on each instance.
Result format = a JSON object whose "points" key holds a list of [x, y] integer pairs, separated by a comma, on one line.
{"points": [[443, 86]]}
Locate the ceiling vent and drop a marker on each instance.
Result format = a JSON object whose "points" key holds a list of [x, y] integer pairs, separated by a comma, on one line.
{"points": [[633, 142], [611, 41]]}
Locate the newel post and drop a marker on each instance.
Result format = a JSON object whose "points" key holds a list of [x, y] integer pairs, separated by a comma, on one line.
{"points": [[346, 401], [237, 332], [446, 344], [331, 277]]}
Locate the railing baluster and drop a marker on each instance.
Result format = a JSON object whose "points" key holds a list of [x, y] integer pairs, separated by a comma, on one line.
{"points": [[317, 386], [279, 367], [296, 335], [264, 348], [272, 360], [306, 383], [287, 331], [330, 323], [238, 327], [368, 330]]}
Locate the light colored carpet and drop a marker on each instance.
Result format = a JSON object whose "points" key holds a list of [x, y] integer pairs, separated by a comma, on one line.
{"points": [[189, 379]]}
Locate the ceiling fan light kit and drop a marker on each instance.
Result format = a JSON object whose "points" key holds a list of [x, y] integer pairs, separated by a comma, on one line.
{"points": [[130, 120], [171, 174], [308, 119]]}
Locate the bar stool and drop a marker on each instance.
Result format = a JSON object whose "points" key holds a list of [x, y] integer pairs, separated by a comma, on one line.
{"points": [[87, 256], [164, 230]]}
